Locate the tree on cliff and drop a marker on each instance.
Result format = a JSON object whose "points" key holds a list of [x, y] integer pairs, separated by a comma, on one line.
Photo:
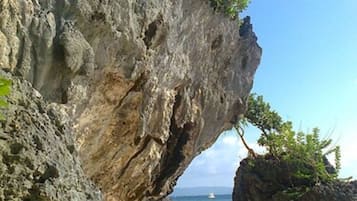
{"points": [[305, 150]]}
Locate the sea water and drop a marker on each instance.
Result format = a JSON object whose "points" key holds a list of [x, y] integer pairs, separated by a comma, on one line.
{"points": [[202, 198]]}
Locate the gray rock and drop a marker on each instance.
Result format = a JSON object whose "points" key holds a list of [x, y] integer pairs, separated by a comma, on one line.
{"points": [[268, 179], [147, 85], [38, 158]]}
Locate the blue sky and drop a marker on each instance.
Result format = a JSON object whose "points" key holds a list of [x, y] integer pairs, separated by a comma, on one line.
{"points": [[308, 74]]}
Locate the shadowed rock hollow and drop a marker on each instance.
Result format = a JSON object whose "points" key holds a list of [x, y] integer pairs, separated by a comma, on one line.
{"points": [[146, 85]]}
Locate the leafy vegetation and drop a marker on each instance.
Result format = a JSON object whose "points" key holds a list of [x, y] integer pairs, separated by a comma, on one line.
{"points": [[5, 86], [305, 151], [230, 7]]}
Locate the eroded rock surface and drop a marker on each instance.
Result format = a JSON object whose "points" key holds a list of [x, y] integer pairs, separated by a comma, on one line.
{"points": [[147, 84], [38, 159], [268, 179]]}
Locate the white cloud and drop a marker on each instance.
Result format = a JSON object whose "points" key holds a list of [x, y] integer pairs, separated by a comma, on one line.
{"points": [[211, 154], [230, 140], [348, 157], [348, 154], [258, 149], [218, 164]]}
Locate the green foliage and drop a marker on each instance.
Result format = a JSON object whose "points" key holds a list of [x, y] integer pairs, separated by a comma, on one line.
{"points": [[337, 159], [261, 115], [305, 150], [231, 7], [292, 193], [5, 86]]}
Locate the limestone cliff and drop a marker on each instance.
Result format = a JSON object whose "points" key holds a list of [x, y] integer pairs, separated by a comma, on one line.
{"points": [[145, 85]]}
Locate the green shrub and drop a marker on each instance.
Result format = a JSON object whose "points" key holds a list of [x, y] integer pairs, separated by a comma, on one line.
{"points": [[298, 148], [231, 7]]}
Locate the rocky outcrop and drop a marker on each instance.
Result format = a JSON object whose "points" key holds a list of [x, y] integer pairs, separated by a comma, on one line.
{"points": [[38, 160], [147, 84], [268, 179]]}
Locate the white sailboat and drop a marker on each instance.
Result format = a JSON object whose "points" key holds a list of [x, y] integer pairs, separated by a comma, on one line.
{"points": [[211, 196]]}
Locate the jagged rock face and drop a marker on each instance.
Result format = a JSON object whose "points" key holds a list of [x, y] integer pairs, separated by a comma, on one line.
{"points": [[147, 84], [38, 160], [267, 179]]}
